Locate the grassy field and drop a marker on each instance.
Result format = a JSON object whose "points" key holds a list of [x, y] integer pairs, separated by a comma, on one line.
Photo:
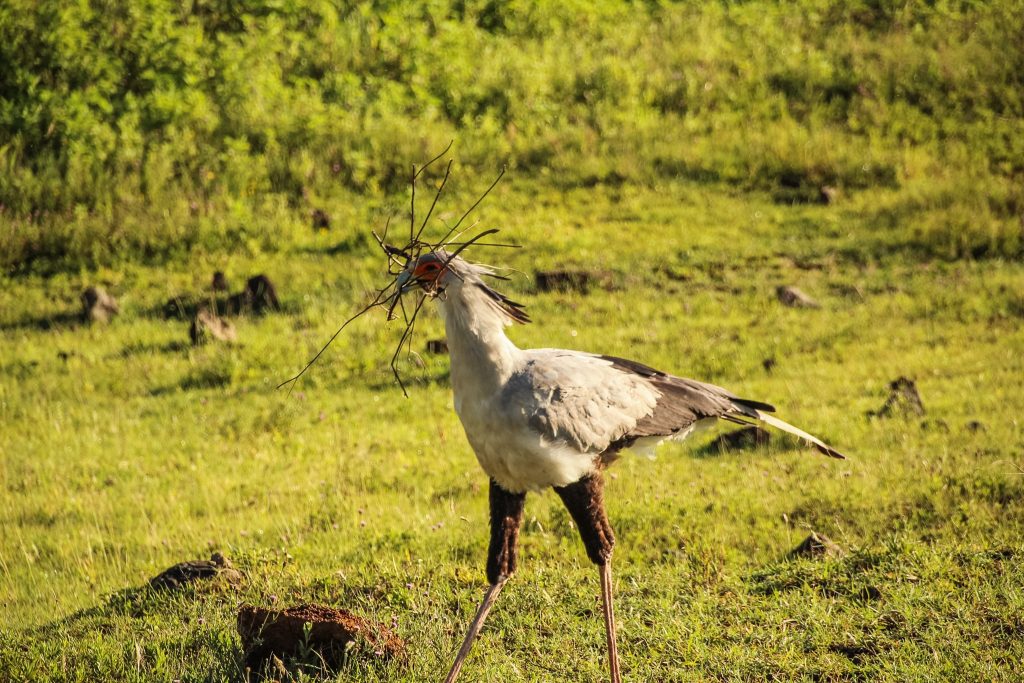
{"points": [[126, 450]]}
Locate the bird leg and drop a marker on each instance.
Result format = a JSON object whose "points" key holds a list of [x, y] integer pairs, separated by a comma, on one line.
{"points": [[506, 518], [585, 501]]}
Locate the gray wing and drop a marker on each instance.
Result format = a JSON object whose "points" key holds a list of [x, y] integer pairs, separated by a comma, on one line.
{"points": [[602, 403]]}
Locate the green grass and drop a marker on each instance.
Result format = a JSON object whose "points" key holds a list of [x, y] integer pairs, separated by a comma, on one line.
{"points": [[125, 450]]}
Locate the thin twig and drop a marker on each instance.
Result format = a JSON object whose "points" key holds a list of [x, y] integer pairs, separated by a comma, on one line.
{"points": [[437, 195], [475, 204], [401, 342], [377, 301]]}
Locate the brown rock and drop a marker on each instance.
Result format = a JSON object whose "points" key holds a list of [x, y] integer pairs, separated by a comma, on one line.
{"points": [[332, 633], [207, 326], [816, 545], [98, 306], [794, 297], [194, 570], [903, 400]]}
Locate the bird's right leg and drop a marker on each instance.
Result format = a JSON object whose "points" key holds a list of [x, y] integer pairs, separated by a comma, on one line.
{"points": [[506, 518], [585, 501]]}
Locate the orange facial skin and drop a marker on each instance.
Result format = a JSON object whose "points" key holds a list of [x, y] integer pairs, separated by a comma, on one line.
{"points": [[427, 272]]}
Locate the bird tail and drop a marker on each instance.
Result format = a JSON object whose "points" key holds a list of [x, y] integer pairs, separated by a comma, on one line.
{"points": [[786, 427]]}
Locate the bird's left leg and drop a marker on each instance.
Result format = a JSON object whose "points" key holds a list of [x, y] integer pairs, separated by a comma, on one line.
{"points": [[506, 518], [585, 501]]}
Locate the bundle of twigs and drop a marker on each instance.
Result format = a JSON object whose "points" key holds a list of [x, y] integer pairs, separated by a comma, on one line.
{"points": [[400, 258]]}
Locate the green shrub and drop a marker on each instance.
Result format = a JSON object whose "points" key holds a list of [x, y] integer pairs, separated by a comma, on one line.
{"points": [[133, 130]]}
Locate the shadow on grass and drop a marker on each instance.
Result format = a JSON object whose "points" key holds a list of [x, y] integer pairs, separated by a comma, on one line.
{"points": [[746, 440], [66, 319]]}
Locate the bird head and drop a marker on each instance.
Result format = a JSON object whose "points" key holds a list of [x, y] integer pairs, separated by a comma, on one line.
{"points": [[431, 272]]}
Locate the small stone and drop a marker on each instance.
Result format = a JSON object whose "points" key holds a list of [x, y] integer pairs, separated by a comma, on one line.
{"points": [[795, 297], [98, 306]]}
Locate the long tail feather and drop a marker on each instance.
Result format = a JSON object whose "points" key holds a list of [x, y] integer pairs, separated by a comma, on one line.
{"points": [[813, 440]]}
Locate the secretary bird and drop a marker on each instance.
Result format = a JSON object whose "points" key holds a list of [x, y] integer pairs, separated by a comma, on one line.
{"points": [[551, 418]]}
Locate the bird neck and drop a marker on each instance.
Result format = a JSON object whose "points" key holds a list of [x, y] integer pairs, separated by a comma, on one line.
{"points": [[481, 354]]}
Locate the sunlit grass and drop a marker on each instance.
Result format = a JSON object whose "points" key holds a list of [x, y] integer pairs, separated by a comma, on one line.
{"points": [[125, 450]]}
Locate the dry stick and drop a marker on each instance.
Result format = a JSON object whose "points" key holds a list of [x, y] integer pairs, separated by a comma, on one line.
{"points": [[468, 243], [391, 252], [506, 245], [412, 201], [398, 349], [443, 152], [437, 195], [377, 301], [475, 204]]}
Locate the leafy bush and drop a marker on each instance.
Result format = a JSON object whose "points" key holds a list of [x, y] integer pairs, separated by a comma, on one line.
{"points": [[143, 130]]}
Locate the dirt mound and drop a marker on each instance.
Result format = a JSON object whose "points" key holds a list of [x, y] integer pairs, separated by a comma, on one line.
{"points": [[333, 633], [903, 400], [98, 306], [817, 545], [795, 297], [208, 326], [195, 570], [570, 280], [258, 296]]}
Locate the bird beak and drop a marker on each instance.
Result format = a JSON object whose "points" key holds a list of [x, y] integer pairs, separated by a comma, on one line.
{"points": [[405, 282]]}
